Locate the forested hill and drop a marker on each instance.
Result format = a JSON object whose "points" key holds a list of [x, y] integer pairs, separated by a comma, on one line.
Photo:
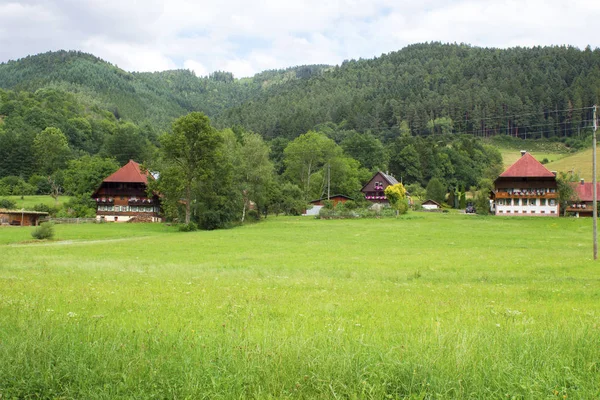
{"points": [[155, 98], [424, 88], [437, 88]]}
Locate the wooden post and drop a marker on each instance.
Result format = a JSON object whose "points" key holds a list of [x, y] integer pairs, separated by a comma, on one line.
{"points": [[594, 189]]}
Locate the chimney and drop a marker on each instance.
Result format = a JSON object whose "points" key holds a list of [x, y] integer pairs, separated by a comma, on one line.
{"points": [[523, 152], [582, 181]]}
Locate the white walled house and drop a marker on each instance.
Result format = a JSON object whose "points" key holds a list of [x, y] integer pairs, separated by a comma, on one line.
{"points": [[526, 188]]}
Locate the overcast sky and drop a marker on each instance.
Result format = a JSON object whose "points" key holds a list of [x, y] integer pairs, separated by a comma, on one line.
{"points": [[246, 37]]}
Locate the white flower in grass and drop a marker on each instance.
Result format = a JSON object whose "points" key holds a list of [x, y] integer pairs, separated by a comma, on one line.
{"points": [[71, 314]]}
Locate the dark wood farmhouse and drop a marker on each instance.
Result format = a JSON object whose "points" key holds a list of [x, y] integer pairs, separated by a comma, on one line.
{"points": [[123, 196], [373, 190], [21, 217], [582, 202], [526, 188]]}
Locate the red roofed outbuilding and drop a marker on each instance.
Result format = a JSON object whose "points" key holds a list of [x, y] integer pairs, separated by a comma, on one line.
{"points": [[123, 196], [526, 188], [582, 202]]}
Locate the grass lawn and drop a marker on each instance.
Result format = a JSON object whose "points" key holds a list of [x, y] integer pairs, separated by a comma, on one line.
{"points": [[424, 306], [29, 201]]}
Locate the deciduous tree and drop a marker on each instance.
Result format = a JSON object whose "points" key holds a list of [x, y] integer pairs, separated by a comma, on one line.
{"points": [[188, 156]]}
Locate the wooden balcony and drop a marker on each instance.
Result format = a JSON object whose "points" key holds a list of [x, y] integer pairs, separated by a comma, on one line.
{"points": [[506, 195]]}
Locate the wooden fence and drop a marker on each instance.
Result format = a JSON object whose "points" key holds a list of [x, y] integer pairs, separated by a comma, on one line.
{"points": [[72, 220]]}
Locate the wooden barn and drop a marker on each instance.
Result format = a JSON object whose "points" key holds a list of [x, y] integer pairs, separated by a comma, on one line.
{"points": [[21, 217], [122, 197], [338, 198]]}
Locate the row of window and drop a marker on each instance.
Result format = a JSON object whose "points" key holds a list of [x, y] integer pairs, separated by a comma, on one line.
{"points": [[525, 212], [528, 191], [525, 202], [127, 208]]}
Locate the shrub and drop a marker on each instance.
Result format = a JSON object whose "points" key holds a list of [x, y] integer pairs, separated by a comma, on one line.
{"points": [[211, 220], [402, 207], [40, 183], [328, 204], [253, 215], [326, 213], [8, 204], [350, 205], [190, 227], [78, 207], [45, 208], [44, 231]]}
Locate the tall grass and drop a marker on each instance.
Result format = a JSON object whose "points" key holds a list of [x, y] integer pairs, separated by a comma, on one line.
{"points": [[423, 306]]}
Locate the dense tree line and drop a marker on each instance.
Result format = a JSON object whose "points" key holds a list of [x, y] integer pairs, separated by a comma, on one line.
{"points": [[155, 98], [434, 89]]}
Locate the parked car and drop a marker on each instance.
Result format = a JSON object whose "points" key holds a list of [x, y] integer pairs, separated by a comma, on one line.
{"points": [[470, 209]]}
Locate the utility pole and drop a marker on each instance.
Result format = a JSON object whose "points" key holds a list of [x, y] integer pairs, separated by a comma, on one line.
{"points": [[328, 180], [594, 189]]}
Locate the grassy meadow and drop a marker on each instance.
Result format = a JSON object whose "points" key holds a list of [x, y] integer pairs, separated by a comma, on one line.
{"points": [[28, 202], [423, 306], [580, 163], [510, 156]]}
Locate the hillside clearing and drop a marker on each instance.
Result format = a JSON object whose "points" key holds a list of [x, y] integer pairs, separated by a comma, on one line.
{"points": [[580, 163]]}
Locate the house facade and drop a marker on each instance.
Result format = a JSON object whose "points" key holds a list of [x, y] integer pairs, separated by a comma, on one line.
{"points": [[374, 189], [526, 188], [123, 196], [582, 203]]}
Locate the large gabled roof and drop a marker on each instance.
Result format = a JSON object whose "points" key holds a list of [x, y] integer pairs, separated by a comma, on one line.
{"points": [[390, 179], [527, 167], [130, 173]]}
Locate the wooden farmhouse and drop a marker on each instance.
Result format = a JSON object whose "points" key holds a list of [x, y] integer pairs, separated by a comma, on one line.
{"points": [[526, 188], [582, 202], [21, 217], [123, 197], [373, 190]]}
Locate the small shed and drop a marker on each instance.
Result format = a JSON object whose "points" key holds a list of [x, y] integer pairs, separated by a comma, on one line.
{"points": [[21, 217], [431, 205]]}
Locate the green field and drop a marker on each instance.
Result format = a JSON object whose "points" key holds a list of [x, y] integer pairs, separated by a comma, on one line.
{"points": [[580, 163], [28, 202], [509, 156], [424, 306]]}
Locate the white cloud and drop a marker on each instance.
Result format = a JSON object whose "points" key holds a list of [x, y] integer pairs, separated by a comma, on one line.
{"points": [[247, 37], [198, 68]]}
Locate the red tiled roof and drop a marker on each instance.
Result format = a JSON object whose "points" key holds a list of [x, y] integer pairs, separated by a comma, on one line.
{"points": [[584, 192], [527, 166], [129, 172]]}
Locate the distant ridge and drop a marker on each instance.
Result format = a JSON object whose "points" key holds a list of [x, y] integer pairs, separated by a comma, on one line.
{"points": [[428, 88]]}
